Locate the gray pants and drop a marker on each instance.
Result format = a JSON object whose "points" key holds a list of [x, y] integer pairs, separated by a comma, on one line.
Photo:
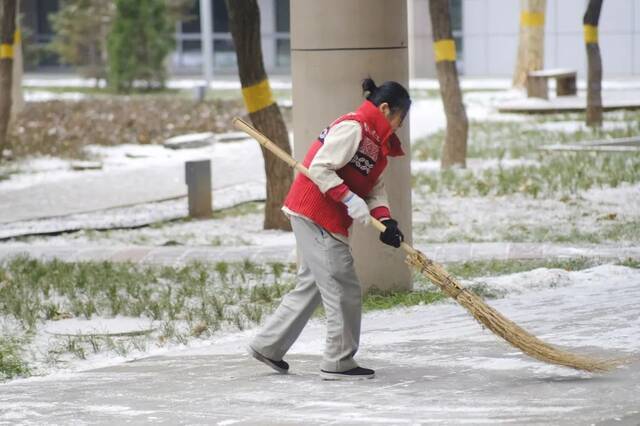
{"points": [[326, 274]]}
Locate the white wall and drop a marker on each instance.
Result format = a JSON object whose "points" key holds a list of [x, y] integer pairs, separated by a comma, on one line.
{"points": [[421, 63]]}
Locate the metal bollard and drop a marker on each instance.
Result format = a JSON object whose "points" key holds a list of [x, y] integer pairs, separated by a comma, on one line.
{"points": [[198, 178]]}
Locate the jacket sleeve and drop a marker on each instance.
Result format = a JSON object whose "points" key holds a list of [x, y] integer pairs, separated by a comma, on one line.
{"points": [[339, 147], [377, 201]]}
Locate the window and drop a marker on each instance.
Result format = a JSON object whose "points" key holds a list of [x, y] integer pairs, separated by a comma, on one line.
{"points": [[224, 54], [43, 9], [282, 16], [456, 29], [283, 53], [191, 24], [282, 36], [456, 15], [220, 16]]}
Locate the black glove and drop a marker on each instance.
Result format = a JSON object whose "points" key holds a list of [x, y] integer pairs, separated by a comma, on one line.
{"points": [[392, 235]]}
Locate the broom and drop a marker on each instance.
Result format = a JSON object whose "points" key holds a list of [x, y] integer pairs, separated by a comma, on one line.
{"points": [[483, 313]]}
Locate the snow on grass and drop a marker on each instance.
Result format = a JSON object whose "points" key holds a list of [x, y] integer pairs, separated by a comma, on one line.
{"points": [[381, 328], [598, 215], [537, 299], [574, 126], [591, 217]]}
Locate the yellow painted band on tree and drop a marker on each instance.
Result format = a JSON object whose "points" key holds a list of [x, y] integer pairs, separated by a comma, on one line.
{"points": [[445, 50], [531, 19], [258, 96], [17, 37], [590, 34], [6, 51]]}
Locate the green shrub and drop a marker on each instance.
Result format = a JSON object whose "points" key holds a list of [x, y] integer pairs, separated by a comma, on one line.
{"points": [[139, 41], [11, 365]]}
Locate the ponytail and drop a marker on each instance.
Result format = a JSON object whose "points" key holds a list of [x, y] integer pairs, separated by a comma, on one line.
{"points": [[391, 92]]}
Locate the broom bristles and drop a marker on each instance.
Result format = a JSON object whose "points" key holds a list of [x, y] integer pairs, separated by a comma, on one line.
{"points": [[503, 327]]}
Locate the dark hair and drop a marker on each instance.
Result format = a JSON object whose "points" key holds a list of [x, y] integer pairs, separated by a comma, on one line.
{"points": [[390, 92]]}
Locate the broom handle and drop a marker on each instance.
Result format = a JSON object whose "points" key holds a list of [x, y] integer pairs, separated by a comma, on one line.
{"points": [[242, 125]]}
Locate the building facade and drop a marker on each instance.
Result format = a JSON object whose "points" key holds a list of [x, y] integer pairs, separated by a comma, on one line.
{"points": [[487, 37], [486, 34]]}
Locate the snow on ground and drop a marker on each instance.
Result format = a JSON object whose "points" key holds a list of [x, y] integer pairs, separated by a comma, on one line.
{"points": [[475, 164], [113, 158], [232, 82], [44, 96], [436, 346], [427, 115], [117, 325], [585, 285], [436, 218], [439, 218], [575, 126], [433, 364]]}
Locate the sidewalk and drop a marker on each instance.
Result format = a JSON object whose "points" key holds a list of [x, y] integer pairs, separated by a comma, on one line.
{"points": [[443, 253]]}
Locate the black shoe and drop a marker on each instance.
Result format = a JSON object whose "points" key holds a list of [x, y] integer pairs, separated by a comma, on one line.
{"points": [[280, 366], [357, 373]]}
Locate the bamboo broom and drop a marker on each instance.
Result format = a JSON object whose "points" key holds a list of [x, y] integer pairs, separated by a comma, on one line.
{"points": [[483, 313]]}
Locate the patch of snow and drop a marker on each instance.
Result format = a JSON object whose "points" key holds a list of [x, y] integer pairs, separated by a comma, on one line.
{"points": [[574, 126], [134, 216], [117, 325], [536, 279], [44, 96], [427, 115], [442, 217], [36, 170], [475, 164]]}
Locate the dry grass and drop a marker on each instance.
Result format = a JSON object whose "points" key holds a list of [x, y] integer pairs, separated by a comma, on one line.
{"points": [[63, 128]]}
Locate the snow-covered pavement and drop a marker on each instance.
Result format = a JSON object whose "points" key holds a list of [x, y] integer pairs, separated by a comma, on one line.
{"points": [[434, 364], [154, 173], [277, 246]]}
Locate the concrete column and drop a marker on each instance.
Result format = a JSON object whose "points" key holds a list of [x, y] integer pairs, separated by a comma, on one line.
{"points": [[334, 45]]}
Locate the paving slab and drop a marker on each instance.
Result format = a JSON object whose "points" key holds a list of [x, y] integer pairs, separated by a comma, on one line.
{"points": [[434, 365]]}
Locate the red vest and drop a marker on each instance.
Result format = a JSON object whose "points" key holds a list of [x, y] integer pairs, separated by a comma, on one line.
{"points": [[359, 175]]}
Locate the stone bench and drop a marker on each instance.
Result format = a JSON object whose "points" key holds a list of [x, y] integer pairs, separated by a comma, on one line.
{"points": [[538, 83]]}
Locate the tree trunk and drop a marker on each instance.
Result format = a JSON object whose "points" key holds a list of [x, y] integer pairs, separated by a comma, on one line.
{"points": [[244, 23], [7, 31], [531, 40], [454, 150], [594, 85]]}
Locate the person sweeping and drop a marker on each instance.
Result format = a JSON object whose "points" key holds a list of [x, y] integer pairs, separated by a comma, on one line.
{"points": [[345, 164]]}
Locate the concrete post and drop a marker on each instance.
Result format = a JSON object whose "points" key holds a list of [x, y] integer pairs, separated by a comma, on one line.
{"points": [[198, 178], [336, 44]]}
